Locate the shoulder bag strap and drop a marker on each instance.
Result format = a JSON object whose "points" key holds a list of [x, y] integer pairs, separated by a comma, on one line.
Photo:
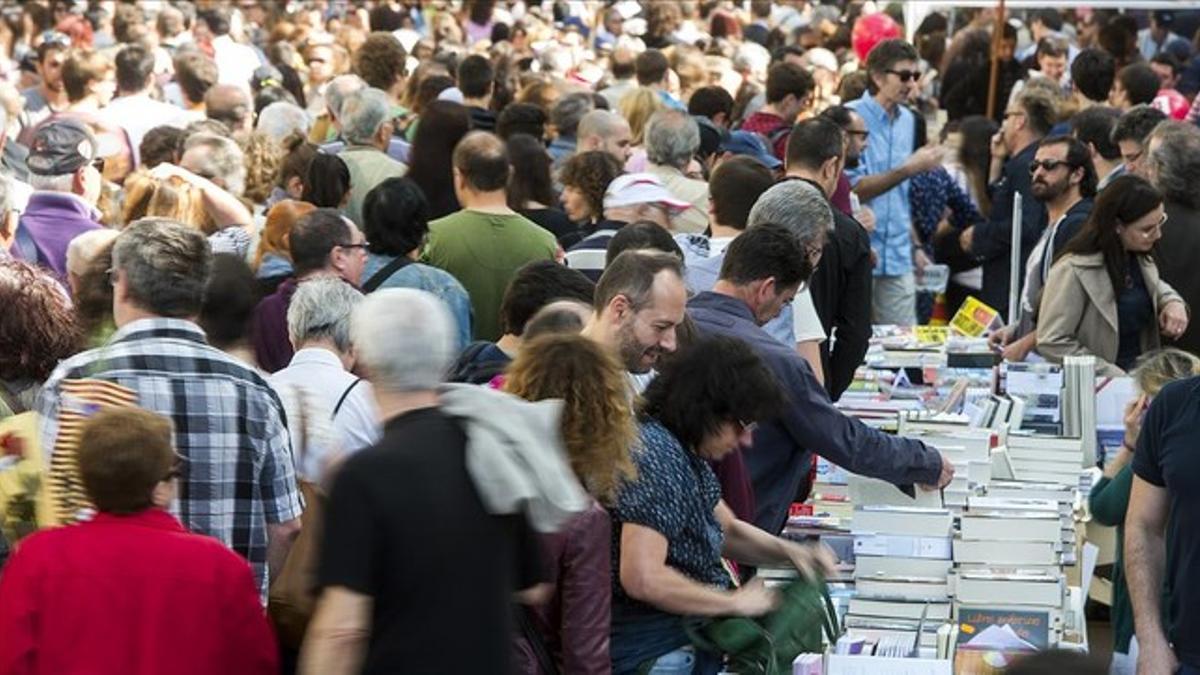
{"points": [[385, 272], [337, 408], [536, 643]]}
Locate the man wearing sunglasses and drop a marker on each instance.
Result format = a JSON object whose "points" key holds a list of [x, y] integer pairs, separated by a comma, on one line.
{"points": [[1064, 180], [881, 177]]}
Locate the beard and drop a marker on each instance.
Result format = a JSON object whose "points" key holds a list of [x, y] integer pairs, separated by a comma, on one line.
{"points": [[851, 161], [637, 358], [1044, 192]]}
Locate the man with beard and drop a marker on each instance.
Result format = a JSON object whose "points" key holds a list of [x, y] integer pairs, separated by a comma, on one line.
{"points": [[1064, 179], [856, 140], [639, 303]]}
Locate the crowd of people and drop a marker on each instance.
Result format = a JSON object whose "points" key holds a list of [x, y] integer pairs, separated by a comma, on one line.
{"points": [[481, 337]]}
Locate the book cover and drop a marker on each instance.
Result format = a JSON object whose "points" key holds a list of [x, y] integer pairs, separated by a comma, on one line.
{"points": [[990, 641]]}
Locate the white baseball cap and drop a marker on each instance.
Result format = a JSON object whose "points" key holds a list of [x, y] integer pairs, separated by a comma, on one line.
{"points": [[641, 188]]}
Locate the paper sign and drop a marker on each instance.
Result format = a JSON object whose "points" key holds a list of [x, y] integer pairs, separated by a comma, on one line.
{"points": [[973, 318], [931, 335]]}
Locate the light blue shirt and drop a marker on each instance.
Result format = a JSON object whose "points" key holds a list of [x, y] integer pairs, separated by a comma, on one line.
{"points": [[433, 280], [888, 146]]}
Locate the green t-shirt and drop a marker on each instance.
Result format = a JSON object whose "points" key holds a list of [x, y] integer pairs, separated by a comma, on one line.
{"points": [[368, 167], [483, 251]]}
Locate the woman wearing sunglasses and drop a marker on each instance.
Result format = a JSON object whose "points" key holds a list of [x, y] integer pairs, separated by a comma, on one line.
{"points": [[1104, 296]]}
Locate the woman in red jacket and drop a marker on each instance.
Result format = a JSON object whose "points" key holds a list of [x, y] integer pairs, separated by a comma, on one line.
{"points": [[130, 592], [572, 628]]}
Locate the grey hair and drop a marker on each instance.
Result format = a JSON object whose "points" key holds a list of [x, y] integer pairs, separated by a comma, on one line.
{"points": [[280, 119], [224, 160], [338, 89], [321, 308], [404, 337], [797, 205], [672, 138], [166, 266], [602, 123], [751, 57], [555, 60], [569, 110], [363, 113], [64, 182], [84, 247], [1175, 163]]}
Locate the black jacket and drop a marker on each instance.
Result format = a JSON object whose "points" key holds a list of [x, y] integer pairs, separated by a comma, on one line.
{"points": [[992, 238], [1177, 254], [841, 292]]}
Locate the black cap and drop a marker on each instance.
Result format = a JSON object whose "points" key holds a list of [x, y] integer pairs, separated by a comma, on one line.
{"points": [[1164, 17], [60, 147]]}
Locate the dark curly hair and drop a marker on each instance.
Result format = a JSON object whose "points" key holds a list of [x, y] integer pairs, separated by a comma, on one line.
{"points": [[39, 329], [590, 173], [710, 382]]}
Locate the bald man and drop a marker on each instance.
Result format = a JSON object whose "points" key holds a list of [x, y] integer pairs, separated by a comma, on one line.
{"points": [[485, 243], [607, 131]]}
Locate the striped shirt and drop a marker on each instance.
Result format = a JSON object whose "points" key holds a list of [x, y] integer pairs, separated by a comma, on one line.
{"points": [[239, 474]]}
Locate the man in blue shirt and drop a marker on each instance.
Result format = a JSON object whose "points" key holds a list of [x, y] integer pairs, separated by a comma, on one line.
{"points": [[763, 269], [881, 177]]}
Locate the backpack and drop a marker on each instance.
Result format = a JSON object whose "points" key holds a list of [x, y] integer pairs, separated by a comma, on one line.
{"points": [[470, 369]]}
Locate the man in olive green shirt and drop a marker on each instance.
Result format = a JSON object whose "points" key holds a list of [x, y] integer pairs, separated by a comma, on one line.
{"points": [[366, 118], [485, 243]]}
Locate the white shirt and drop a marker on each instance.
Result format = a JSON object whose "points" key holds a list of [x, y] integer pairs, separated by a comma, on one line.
{"points": [[805, 320], [138, 114], [317, 377], [236, 62]]}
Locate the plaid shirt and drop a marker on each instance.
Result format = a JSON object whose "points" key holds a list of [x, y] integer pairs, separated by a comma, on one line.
{"points": [[229, 425]]}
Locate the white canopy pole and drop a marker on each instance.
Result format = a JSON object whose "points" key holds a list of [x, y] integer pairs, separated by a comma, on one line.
{"points": [[1014, 260]]}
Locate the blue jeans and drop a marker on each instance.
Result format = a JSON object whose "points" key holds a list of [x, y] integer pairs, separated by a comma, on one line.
{"points": [[660, 639]]}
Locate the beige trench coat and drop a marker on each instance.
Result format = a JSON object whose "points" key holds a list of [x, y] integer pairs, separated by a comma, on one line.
{"points": [[1078, 313]]}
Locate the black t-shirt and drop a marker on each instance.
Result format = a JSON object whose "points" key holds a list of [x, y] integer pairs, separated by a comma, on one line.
{"points": [[555, 221], [1166, 456], [405, 525]]}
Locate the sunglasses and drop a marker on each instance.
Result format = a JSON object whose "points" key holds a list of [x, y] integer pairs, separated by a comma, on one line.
{"points": [[1047, 164], [905, 76]]}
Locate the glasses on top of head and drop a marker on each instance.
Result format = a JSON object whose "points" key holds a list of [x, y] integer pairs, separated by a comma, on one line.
{"points": [[53, 37], [905, 76]]}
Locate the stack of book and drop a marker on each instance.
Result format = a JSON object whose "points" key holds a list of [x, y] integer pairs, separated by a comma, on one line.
{"points": [[968, 449], [901, 573], [1079, 403], [1046, 459]]}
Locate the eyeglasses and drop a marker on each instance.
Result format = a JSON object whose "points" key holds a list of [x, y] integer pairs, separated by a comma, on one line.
{"points": [[1047, 164], [864, 134], [905, 76], [98, 164], [362, 246], [1013, 113]]}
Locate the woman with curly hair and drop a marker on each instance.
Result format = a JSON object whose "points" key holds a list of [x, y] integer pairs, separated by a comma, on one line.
{"points": [[38, 331], [672, 530], [262, 157], [599, 431], [585, 178]]}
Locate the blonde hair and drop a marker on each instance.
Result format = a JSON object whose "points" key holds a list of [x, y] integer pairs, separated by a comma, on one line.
{"points": [[1157, 369], [263, 155], [173, 198], [597, 423], [637, 107]]}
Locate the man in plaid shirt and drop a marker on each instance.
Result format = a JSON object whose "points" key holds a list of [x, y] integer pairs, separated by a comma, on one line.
{"points": [[238, 480]]}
